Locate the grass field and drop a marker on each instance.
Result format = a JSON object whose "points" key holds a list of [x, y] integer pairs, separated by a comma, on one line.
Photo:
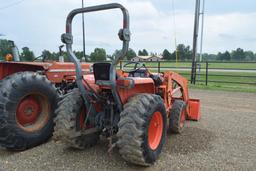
{"points": [[203, 65], [225, 77], [241, 76]]}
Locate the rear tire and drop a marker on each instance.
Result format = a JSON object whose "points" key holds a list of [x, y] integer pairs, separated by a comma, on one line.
{"points": [[69, 121], [142, 129], [27, 104], [177, 117]]}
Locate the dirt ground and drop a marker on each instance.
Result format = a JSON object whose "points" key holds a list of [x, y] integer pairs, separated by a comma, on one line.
{"points": [[224, 139]]}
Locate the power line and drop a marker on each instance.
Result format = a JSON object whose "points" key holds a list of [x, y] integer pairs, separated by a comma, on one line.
{"points": [[11, 5]]}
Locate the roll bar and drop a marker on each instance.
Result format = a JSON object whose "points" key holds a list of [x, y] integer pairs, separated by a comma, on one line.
{"points": [[124, 35]]}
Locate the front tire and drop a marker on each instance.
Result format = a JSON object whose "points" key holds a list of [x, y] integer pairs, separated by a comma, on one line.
{"points": [[142, 129], [177, 117], [27, 104], [70, 119]]}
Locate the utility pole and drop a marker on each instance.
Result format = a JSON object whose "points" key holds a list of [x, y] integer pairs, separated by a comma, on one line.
{"points": [[202, 31], [83, 31], [195, 37]]}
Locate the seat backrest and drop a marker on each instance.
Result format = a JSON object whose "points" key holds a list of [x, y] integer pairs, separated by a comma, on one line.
{"points": [[101, 71]]}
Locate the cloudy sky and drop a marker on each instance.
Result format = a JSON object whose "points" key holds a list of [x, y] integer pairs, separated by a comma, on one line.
{"points": [[38, 24]]}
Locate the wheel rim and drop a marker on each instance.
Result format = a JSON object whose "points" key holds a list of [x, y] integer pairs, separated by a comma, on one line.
{"points": [[32, 112], [155, 130], [182, 118]]}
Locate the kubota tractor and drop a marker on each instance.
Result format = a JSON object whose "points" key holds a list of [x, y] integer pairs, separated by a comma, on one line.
{"points": [[29, 92], [136, 106]]}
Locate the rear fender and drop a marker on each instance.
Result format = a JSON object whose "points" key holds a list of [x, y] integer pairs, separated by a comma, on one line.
{"points": [[9, 68]]}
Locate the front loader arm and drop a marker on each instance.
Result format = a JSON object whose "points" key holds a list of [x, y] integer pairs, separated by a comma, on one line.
{"points": [[193, 105], [171, 78]]}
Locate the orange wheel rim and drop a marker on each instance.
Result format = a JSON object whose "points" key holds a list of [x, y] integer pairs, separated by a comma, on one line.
{"points": [[155, 130]]}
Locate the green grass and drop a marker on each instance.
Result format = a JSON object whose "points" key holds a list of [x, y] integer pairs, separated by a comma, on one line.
{"points": [[203, 65], [225, 87], [233, 65], [226, 76]]}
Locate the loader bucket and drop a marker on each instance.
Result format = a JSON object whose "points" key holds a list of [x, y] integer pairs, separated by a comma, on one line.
{"points": [[194, 110]]}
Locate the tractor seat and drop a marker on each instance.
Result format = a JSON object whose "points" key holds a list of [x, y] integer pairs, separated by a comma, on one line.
{"points": [[158, 80], [101, 73]]}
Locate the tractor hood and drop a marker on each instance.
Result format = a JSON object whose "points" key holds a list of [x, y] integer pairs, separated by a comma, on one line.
{"points": [[50, 68]]}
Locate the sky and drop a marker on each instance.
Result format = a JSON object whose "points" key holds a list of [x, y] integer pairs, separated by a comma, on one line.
{"points": [[229, 24]]}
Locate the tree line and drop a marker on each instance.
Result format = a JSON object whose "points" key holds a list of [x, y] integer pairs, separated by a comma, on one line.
{"points": [[182, 53]]}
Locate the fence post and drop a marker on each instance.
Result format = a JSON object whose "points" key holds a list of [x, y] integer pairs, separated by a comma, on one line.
{"points": [[199, 71], [159, 67], [195, 73], [207, 68]]}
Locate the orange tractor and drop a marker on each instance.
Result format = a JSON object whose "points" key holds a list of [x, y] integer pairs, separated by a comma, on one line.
{"points": [[133, 109], [29, 92]]}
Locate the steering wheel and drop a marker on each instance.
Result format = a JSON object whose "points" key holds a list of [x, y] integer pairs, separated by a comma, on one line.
{"points": [[135, 68]]}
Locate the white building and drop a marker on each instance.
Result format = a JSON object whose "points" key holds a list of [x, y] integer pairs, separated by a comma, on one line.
{"points": [[147, 58]]}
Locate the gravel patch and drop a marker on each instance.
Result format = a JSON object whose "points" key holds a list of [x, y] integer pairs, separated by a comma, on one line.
{"points": [[224, 139]]}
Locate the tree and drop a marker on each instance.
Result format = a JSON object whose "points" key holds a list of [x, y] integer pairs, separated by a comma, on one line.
{"points": [[143, 52], [47, 55], [249, 56], [115, 54], [5, 48], [79, 54], [110, 58], [209, 57], [167, 55], [64, 54], [224, 56], [140, 53], [27, 55], [99, 54], [130, 54], [184, 52], [238, 54], [153, 54]]}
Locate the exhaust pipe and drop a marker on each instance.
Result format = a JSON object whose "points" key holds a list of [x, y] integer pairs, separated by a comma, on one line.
{"points": [[15, 51]]}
